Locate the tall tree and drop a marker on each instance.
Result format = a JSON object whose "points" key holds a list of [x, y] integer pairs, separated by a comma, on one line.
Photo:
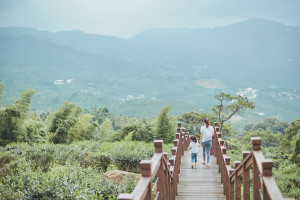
{"points": [[13, 116], [64, 119], [107, 130], [164, 130], [229, 106]]}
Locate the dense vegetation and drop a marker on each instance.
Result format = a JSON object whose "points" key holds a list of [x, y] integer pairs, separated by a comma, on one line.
{"points": [[65, 153]]}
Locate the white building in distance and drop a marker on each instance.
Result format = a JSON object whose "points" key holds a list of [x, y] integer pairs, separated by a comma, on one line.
{"points": [[59, 82]]}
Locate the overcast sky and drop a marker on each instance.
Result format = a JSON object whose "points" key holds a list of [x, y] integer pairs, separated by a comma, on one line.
{"points": [[124, 18]]}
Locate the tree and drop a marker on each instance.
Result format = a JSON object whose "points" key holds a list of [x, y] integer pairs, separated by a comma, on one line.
{"points": [[64, 119], [229, 106], [13, 124], [84, 129], [193, 120], [271, 124], [23, 103], [143, 131], [164, 130], [107, 131], [291, 141]]}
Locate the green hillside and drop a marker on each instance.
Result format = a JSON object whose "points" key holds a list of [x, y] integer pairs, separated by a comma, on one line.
{"points": [[136, 76]]}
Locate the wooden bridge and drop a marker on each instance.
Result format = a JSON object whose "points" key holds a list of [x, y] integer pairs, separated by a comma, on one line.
{"points": [[172, 178]]}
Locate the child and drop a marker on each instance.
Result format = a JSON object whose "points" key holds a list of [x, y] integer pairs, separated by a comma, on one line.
{"points": [[194, 150]]}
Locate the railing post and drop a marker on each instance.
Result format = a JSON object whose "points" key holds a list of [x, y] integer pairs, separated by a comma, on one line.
{"points": [[220, 152], [146, 172], [214, 140], [246, 178], [179, 145], [124, 196], [267, 166], [158, 144], [174, 181], [256, 142], [218, 135], [182, 138], [166, 177], [222, 165], [226, 178], [231, 186], [186, 141], [237, 182]]}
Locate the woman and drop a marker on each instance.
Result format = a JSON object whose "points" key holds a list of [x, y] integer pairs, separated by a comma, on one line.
{"points": [[207, 132]]}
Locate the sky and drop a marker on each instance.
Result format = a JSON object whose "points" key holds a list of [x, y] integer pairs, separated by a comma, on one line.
{"points": [[125, 18]]}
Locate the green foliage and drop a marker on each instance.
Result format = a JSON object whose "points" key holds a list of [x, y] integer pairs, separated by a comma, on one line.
{"points": [[107, 131], [128, 156], [129, 136], [271, 124], [101, 114], [83, 129], [68, 182], [74, 171], [142, 130], [15, 124], [229, 106], [283, 148], [97, 160], [70, 124], [23, 103], [10, 124], [193, 120], [290, 142], [268, 138], [164, 129]]}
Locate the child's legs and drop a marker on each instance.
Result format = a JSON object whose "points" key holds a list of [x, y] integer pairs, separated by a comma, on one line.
{"points": [[208, 145], [192, 157]]}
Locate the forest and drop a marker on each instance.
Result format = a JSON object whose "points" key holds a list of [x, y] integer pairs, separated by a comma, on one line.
{"points": [[67, 153]]}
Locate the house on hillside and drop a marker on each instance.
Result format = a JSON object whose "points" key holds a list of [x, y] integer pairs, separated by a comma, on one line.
{"points": [[59, 82], [70, 80]]}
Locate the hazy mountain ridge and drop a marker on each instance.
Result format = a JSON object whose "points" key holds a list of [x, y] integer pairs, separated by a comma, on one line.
{"points": [[159, 65]]}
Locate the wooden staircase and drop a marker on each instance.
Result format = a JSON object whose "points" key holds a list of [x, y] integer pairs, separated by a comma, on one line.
{"points": [[201, 182]]}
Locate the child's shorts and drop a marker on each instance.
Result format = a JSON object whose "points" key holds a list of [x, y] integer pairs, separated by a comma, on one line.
{"points": [[194, 157]]}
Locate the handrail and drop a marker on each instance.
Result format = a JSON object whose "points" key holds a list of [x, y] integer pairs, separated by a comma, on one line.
{"points": [[167, 173], [263, 183]]}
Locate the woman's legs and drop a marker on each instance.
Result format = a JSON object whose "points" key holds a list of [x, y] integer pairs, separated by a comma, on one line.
{"points": [[203, 145], [208, 147], [206, 150]]}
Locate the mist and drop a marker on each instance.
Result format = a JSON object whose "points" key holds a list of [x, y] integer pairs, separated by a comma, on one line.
{"points": [[126, 18]]}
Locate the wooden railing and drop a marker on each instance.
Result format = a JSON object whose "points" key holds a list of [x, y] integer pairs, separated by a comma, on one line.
{"points": [[263, 184], [165, 174]]}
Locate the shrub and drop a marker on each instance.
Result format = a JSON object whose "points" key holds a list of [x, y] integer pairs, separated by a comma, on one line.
{"points": [[98, 161]]}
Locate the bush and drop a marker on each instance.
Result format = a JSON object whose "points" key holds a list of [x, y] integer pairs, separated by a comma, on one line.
{"points": [[98, 161], [128, 155], [68, 182], [59, 171]]}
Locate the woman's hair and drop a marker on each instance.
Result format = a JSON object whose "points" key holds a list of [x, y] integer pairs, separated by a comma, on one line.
{"points": [[206, 121], [193, 138]]}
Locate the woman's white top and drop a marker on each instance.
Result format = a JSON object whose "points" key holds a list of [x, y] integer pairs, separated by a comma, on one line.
{"points": [[194, 147], [207, 133]]}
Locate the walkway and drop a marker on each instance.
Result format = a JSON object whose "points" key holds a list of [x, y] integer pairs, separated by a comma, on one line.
{"points": [[199, 183]]}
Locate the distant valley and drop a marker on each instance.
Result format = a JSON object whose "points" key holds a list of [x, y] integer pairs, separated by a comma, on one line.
{"points": [[257, 58]]}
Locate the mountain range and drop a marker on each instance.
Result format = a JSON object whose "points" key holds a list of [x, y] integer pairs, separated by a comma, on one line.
{"points": [[257, 58]]}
